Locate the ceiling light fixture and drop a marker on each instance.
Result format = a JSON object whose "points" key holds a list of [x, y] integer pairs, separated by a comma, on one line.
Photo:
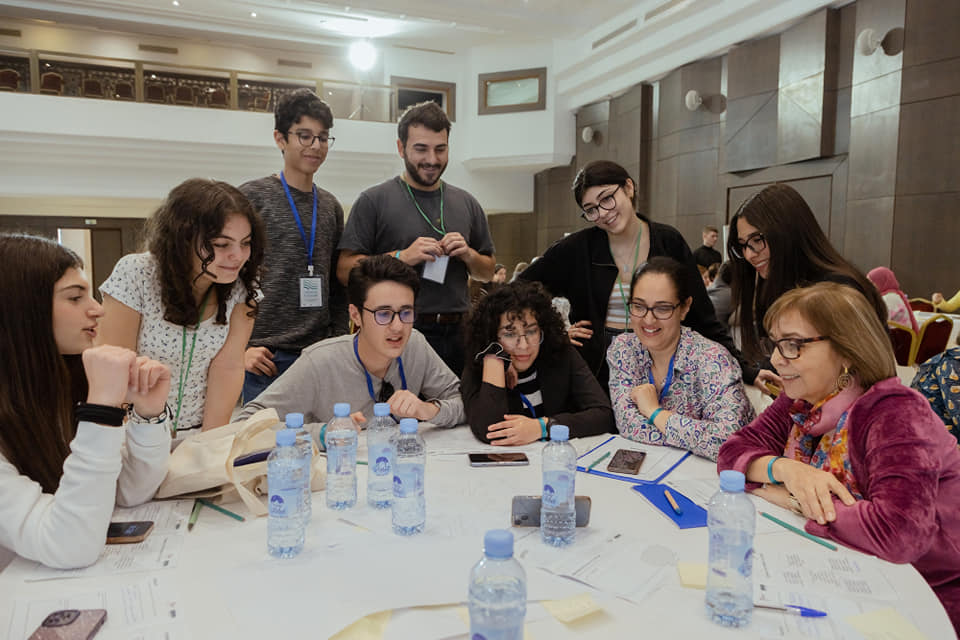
{"points": [[362, 55]]}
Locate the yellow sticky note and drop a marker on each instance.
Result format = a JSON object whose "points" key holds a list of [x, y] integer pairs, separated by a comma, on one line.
{"points": [[885, 624], [370, 627], [571, 609], [693, 575]]}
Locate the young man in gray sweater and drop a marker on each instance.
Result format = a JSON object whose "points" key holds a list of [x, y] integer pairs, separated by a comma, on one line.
{"points": [[387, 360]]}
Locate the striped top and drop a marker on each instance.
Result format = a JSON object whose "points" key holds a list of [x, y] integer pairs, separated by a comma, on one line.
{"points": [[529, 386], [616, 310]]}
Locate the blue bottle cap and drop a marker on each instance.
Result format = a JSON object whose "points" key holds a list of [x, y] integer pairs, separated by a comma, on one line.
{"points": [[408, 425], [294, 420], [731, 480], [286, 437], [498, 543], [341, 409], [559, 432], [381, 409]]}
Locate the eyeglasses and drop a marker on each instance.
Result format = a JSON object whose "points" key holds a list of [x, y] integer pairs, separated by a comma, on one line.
{"points": [[512, 339], [757, 242], [306, 138], [385, 393], [661, 311], [385, 315], [607, 203], [790, 348]]}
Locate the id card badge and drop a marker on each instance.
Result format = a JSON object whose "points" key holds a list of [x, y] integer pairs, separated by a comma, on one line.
{"points": [[436, 270], [311, 292]]}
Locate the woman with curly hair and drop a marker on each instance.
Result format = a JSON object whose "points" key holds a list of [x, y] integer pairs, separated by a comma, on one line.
{"points": [[190, 301], [524, 374]]}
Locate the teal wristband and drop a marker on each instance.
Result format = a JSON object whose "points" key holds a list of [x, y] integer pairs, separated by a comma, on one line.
{"points": [[323, 437], [543, 428], [770, 470], [653, 416], [397, 255]]}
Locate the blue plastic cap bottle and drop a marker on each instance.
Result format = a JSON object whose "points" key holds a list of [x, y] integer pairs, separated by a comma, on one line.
{"points": [[559, 432], [408, 425], [294, 420], [498, 543], [286, 437], [341, 409], [732, 481], [381, 409]]}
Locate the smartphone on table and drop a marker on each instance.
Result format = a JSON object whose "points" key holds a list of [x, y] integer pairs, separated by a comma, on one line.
{"points": [[627, 461], [525, 511], [506, 459], [70, 624], [128, 532]]}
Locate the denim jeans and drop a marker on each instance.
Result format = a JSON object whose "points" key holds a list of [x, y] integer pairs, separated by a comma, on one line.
{"points": [[255, 383]]}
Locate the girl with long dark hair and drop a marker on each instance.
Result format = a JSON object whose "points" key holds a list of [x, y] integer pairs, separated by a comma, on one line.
{"points": [[65, 456], [190, 301]]}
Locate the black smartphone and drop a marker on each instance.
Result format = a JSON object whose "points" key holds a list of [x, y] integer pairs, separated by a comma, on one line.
{"points": [[251, 458], [627, 461], [506, 459], [128, 532], [70, 624], [525, 510]]}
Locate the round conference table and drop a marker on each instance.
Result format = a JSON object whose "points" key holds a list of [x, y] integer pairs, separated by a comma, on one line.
{"points": [[624, 566]]}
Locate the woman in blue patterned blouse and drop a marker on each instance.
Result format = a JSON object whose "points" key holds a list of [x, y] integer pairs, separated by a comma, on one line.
{"points": [[669, 385], [938, 379]]}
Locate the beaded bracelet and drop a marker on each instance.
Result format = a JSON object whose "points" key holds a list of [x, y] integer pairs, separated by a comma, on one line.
{"points": [[770, 470]]}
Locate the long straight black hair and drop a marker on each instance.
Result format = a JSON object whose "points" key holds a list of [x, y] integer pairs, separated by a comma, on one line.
{"points": [[39, 386]]}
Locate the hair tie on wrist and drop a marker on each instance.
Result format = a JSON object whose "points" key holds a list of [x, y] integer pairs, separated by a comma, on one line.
{"points": [[653, 416], [397, 255], [100, 414], [543, 428], [770, 470]]}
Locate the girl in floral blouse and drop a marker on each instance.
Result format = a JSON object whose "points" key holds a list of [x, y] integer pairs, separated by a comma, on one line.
{"points": [[669, 385]]}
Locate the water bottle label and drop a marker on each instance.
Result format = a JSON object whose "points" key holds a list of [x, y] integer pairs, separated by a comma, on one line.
{"points": [[285, 502], [732, 549], [557, 488], [381, 460], [408, 480]]}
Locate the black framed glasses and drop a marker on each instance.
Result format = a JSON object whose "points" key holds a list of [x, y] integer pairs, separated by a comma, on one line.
{"points": [[790, 348], [306, 138], [385, 315], [607, 203], [757, 242], [661, 310], [386, 392]]}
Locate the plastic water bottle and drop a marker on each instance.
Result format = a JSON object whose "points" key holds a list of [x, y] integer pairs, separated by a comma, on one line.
{"points": [[285, 524], [341, 440], [381, 454], [558, 519], [409, 505], [498, 591], [294, 422], [731, 522]]}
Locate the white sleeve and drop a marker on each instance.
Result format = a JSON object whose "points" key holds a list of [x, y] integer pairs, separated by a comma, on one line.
{"points": [[145, 458], [67, 529]]}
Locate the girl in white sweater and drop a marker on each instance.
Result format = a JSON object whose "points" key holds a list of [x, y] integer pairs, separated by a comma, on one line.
{"points": [[66, 457]]}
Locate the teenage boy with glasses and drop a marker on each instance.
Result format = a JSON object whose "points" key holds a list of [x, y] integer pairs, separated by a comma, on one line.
{"points": [[385, 361], [303, 301]]}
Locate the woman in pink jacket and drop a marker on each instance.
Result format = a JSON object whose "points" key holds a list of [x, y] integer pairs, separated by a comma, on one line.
{"points": [[848, 446]]}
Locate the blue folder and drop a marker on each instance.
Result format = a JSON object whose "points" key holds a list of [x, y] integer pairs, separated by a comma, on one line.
{"points": [[693, 515]]}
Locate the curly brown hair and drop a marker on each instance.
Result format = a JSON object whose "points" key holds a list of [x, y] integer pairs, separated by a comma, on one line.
{"points": [[483, 324], [194, 213]]}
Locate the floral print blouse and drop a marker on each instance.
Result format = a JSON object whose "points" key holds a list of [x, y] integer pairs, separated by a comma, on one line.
{"points": [[706, 396], [938, 379]]}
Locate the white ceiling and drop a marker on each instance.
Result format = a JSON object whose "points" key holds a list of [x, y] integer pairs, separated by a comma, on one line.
{"points": [[446, 25]]}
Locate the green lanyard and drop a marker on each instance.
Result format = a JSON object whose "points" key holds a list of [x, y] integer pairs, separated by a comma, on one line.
{"points": [[184, 373], [442, 230], [636, 256]]}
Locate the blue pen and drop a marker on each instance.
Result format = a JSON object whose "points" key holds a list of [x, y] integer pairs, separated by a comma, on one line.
{"points": [[795, 609]]}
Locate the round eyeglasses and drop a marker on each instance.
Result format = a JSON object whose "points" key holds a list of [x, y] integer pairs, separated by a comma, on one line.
{"points": [[512, 339], [385, 315], [607, 203]]}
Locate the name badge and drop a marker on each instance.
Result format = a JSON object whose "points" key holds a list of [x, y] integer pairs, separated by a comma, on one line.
{"points": [[436, 270], [311, 292]]}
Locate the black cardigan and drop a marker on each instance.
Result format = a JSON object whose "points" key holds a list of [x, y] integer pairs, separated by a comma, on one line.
{"points": [[581, 269], [571, 396]]}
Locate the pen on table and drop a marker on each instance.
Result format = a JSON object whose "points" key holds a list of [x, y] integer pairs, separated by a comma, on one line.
{"points": [[598, 461], [673, 503], [801, 532], [225, 512], [795, 609], [194, 514]]}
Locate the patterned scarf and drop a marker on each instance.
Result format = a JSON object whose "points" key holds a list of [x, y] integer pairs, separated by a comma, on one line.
{"points": [[819, 435]]}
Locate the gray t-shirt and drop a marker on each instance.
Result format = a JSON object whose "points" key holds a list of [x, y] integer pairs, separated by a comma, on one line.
{"points": [[281, 323], [385, 218]]}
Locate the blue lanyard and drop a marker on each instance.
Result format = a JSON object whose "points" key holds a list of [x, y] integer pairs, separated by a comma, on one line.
{"points": [[296, 218], [667, 382], [523, 398], [403, 378]]}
